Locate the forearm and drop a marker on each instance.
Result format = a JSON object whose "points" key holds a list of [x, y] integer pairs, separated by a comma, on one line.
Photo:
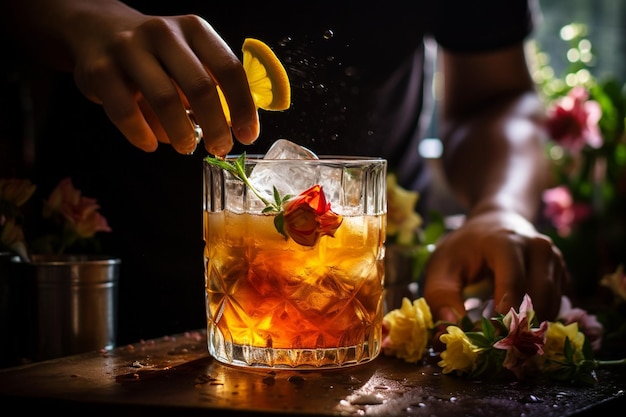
{"points": [[495, 159], [51, 30]]}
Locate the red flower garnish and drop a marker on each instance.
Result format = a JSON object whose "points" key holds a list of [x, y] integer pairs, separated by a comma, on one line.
{"points": [[307, 217]]}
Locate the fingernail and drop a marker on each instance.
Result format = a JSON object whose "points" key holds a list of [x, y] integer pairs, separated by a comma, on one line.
{"points": [[219, 151]]}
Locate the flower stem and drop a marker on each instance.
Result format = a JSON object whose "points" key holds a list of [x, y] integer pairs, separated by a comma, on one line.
{"points": [[611, 362]]}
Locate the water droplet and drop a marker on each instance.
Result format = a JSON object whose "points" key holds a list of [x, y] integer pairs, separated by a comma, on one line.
{"points": [[530, 398], [296, 380], [366, 399], [330, 58], [328, 34], [321, 88], [269, 380], [284, 41], [334, 136]]}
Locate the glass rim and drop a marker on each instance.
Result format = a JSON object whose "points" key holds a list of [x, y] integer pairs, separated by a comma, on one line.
{"points": [[321, 158]]}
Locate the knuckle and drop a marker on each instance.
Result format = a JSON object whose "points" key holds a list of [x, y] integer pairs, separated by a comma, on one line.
{"points": [[229, 70], [542, 243], [157, 26], [199, 88], [165, 98], [121, 42], [191, 21]]}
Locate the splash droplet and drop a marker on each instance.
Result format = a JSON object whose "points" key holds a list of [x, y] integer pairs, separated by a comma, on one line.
{"points": [[284, 41]]}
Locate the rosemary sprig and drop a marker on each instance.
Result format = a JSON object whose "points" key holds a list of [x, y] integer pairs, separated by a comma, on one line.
{"points": [[237, 169]]}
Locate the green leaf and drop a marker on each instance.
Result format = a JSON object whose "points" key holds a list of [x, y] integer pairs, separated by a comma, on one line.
{"points": [[279, 224], [568, 351], [277, 199], [479, 339], [488, 329], [220, 163], [435, 228], [466, 324]]}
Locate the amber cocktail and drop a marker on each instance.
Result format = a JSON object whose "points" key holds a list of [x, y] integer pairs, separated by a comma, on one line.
{"points": [[294, 267]]}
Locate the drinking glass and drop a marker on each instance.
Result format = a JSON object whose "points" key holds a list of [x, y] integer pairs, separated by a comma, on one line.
{"points": [[286, 288]]}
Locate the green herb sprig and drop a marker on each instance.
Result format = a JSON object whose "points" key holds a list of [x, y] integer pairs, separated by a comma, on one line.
{"points": [[237, 169]]}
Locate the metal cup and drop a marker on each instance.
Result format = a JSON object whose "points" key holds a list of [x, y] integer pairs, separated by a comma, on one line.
{"points": [[68, 304]]}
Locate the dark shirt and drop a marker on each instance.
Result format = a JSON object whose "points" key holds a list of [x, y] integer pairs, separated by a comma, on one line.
{"points": [[360, 77]]}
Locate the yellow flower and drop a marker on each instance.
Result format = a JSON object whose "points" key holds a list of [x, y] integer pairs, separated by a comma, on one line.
{"points": [[12, 237], [616, 282], [402, 220], [16, 191], [555, 341], [461, 355], [409, 330]]}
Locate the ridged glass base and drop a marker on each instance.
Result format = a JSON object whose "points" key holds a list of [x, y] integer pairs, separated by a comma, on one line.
{"points": [[301, 359]]}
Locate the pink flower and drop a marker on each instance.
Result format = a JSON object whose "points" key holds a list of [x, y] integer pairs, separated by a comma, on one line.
{"points": [[562, 211], [522, 342], [587, 323], [80, 212], [573, 120]]}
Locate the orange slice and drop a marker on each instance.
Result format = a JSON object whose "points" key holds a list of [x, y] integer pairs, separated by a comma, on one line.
{"points": [[267, 78]]}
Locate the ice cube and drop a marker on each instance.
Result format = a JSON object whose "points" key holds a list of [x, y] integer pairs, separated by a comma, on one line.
{"points": [[285, 149], [289, 177], [292, 176]]}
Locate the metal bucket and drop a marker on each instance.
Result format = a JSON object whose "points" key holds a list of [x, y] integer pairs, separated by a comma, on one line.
{"points": [[70, 304]]}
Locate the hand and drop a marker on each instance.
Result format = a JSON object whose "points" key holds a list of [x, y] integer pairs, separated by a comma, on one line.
{"points": [[146, 71], [501, 246]]}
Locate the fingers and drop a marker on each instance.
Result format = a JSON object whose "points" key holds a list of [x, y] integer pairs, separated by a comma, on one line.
{"points": [[547, 277], [102, 83], [148, 77], [526, 265], [147, 69], [226, 68], [504, 255], [519, 264], [196, 84], [443, 287]]}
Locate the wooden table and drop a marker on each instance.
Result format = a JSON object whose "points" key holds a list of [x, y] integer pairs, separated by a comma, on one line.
{"points": [[175, 376]]}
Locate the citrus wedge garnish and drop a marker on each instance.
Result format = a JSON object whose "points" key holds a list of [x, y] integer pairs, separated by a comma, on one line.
{"points": [[267, 78]]}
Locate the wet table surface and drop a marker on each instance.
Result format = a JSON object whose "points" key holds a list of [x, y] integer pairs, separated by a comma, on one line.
{"points": [[175, 376]]}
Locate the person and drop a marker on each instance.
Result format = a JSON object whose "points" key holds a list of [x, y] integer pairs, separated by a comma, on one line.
{"points": [[360, 85]]}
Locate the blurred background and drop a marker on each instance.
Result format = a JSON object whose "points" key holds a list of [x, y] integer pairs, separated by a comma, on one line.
{"points": [[606, 24]]}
